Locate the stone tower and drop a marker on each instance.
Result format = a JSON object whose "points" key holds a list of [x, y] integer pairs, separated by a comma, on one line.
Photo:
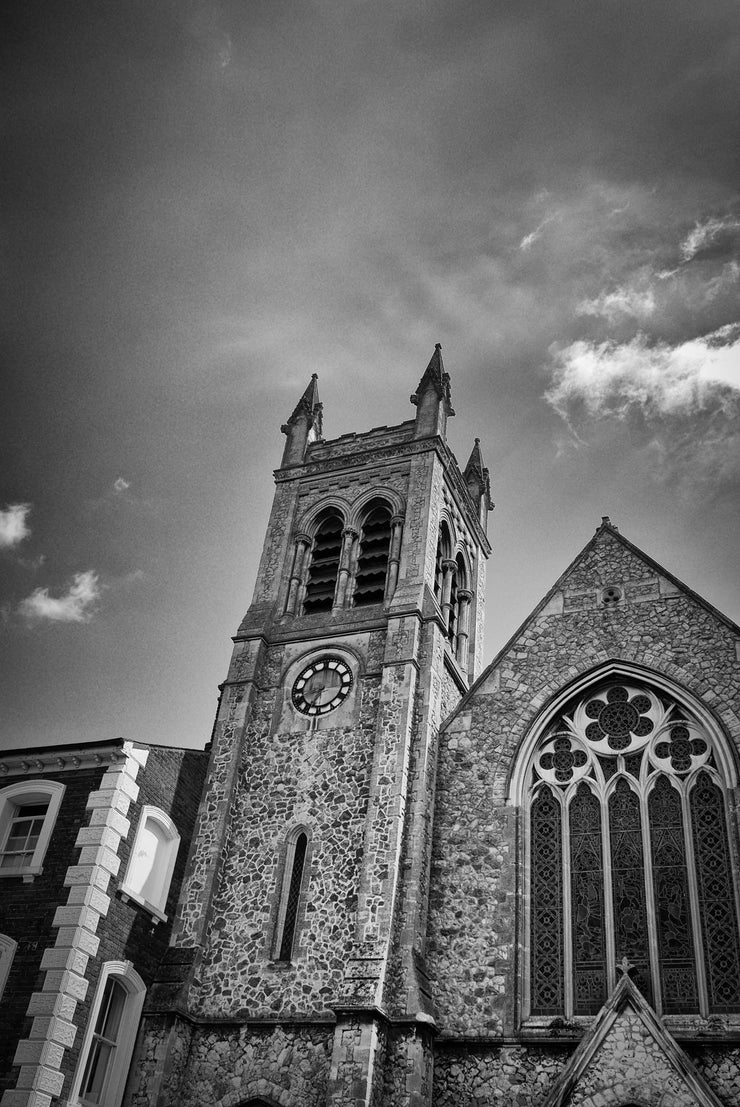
{"points": [[299, 946]]}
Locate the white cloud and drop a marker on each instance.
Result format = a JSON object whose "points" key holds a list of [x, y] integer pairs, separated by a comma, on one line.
{"points": [[121, 485], [14, 525], [609, 379], [531, 238], [704, 234], [636, 302], [76, 605]]}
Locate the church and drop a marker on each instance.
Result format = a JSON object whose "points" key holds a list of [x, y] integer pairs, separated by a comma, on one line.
{"points": [[414, 879]]}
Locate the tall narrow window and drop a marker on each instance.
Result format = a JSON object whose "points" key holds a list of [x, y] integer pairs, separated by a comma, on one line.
{"points": [[324, 566], [372, 562], [108, 1041], [291, 896], [643, 879], [28, 811]]}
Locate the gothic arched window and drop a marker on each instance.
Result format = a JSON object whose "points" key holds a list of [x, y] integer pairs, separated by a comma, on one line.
{"points": [[372, 560], [630, 859], [324, 565]]}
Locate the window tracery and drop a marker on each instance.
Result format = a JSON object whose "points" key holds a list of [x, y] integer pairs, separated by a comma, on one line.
{"points": [[629, 857]]}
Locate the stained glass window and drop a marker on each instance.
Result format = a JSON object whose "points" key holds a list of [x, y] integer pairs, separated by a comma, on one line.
{"points": [[628, 848]]}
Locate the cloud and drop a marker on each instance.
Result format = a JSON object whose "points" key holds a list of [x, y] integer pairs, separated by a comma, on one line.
{"points": [[705, 234], [531, 238], [609, 379], [121, 485], [14, 525], [636, 302], [76, 605]]}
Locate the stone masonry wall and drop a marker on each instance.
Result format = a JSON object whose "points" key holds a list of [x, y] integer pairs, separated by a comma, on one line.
{"points": [[286, 1063], [505, 1076], [317, 778], [472, 951]]}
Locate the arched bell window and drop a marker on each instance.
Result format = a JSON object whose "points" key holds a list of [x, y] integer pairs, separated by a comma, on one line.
{"points": [[372, 559], [323, 567], [630, 859]]}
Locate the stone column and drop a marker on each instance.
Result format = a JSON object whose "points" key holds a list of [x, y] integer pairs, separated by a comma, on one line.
{"points": [[449, 568], [302, 544], [394, 556], [349, 536], [464, 597]]}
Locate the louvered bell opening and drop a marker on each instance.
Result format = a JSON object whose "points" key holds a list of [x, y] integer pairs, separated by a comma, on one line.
{"points": [[322, 573], [372, 564]]}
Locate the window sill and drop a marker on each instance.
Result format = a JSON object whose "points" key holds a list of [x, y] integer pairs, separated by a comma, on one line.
{"points": [[128, 894], [28, 873]]}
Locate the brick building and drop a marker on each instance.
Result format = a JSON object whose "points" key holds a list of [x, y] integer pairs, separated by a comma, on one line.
{"points": [[415, 881], [93, 845]]}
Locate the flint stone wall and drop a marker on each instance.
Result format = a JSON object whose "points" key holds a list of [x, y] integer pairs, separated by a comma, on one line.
{"points": [[473, 943]]}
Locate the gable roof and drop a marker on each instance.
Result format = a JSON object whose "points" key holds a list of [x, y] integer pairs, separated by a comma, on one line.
{"points": [[605, 532], [630, 1054]]}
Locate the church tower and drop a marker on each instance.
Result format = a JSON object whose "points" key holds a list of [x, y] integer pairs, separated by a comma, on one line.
{"points": [[299, 945]]}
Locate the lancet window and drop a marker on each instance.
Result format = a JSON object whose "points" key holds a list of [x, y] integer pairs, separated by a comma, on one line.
{"points": [[290, 897], [630, 859]]}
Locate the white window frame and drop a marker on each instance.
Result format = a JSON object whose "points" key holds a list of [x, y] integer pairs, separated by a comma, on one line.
{"points": [[155, 907], [7, 952], [117, 1072], [16, 795]]}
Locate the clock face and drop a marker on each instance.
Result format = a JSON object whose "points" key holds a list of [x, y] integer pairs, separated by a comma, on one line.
{"points": [[322, 686]]}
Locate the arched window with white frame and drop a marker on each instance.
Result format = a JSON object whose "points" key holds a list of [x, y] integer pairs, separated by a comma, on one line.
{"points": [[108, 1042], [8, 947], [152, 860], [28, 811], [630, 858]]}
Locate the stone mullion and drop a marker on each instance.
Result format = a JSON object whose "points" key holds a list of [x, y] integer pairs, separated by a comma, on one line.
{"points": [[464, 597], [302, 545], [394, 556], [349, 537], [448, 572]]}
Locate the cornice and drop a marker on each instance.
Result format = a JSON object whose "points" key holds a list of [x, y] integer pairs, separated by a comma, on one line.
{"points": [[59, 759]]}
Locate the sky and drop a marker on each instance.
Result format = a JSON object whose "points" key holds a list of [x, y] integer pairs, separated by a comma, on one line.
{"points": [[205, 202]]}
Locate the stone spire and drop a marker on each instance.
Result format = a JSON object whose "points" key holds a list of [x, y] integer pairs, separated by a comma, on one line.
{"points": [[478, 481], [304, 425], [433, 399]]}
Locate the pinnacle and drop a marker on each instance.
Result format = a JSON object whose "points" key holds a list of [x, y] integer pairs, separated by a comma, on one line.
{"points": [[309, 401], [436, 377]]}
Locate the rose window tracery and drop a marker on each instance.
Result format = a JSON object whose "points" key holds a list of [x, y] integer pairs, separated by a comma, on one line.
{"points": [[562, 755], [684, 750], [619, 719], [629, 855]]}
